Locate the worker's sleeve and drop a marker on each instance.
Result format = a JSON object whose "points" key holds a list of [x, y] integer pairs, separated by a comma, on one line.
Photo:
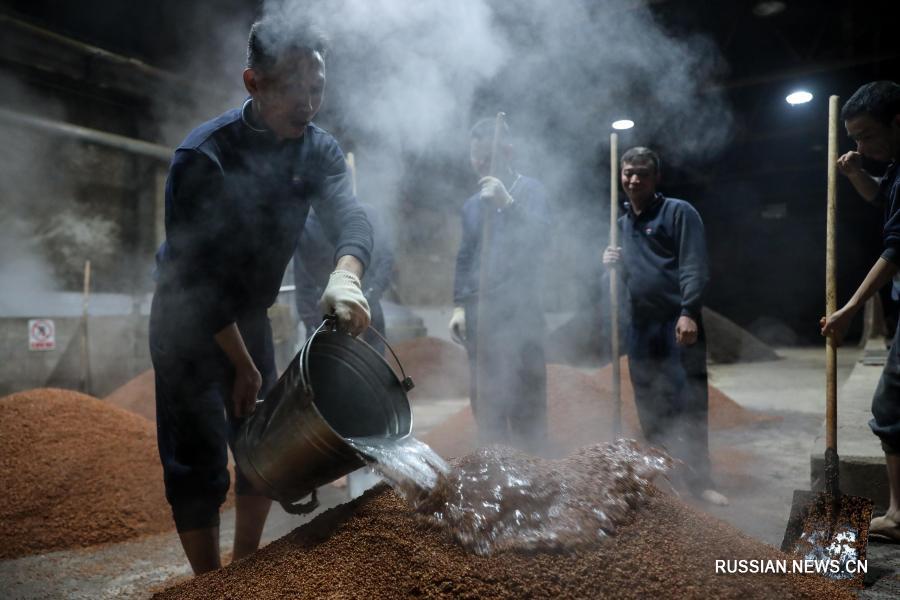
{"points": [[532, 212], [381, 269], [693, 272], [306, 290], [891, 233], [342, 217], [465, 259], [199, 235]]}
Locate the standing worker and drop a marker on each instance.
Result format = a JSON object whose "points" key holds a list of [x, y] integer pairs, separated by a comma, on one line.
{"points": [[508, 376], [238, 192], [872, 119], [663, 264], [313, 262]]}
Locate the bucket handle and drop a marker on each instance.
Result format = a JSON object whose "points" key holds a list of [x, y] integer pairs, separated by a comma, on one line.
{"points": [[305, 379], [302, 508], [329, 322], [406, 381]]}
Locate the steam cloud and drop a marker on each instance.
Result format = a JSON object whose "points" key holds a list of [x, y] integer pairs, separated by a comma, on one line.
{"points": [[407, 79]]}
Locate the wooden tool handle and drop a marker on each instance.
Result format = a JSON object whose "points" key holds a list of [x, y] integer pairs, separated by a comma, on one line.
{"points": [[831, 277], [614, 282], [484, 258], [495, 143], [351, 166], [85, 346]]}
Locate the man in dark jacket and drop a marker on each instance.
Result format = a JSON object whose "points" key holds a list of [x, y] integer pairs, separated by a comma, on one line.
{"points": [[872, 119], [663, 264], [508, 375], [314, 259], [237, 195]]}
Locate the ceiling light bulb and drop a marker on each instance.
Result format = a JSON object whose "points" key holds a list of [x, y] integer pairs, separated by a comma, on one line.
{"points": [[768, 8], [623, 124], [799, 97]]}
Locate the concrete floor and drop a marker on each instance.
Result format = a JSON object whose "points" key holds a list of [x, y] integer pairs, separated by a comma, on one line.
{"points": [[794, 389], [778, 455]]}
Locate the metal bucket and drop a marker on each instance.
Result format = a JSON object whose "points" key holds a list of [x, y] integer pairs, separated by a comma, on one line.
{"points": [[337, 387]]}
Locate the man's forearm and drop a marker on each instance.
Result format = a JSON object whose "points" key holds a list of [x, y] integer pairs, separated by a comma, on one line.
{"points": [[865, 185], [348, 262], [232, 344], [879, 275]]}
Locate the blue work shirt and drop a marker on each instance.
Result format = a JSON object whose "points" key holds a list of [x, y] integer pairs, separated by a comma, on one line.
{"points": [[664, 259], [518, 238], [236, 202], [889, 193]]}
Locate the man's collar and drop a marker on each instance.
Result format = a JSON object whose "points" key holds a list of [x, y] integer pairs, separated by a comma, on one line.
{"points": [[655, 202]]}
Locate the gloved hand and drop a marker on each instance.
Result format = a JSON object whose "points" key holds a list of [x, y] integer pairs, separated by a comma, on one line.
{"points": [[345, 299], [458, 325], [494, 192]]}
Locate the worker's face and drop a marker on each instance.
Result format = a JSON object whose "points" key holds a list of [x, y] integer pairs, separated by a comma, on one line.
{"points": [[288, 97], [874, 139], [480, 157], [639, 181]]}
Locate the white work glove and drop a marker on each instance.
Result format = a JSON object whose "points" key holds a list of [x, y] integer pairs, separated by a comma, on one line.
{"points": [[343, 297], [458, 325], [494, 192]]}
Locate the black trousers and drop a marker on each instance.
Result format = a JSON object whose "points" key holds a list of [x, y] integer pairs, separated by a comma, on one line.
{"points": [[671, 393], [510, 399], [885, 422], [194, 420]]}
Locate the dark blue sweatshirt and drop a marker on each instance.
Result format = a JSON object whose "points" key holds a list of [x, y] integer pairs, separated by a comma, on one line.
{"points": [[664, 259], [236, 201], [890, 196], [519, 237]]}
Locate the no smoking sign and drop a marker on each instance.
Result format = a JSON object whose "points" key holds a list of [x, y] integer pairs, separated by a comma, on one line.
{"points": [[41, 334]]}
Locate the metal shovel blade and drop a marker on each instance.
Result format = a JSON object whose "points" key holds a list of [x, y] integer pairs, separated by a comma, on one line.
{"points": [[833, 530]]}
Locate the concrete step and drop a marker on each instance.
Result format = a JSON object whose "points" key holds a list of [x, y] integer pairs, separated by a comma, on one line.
{"points": [[862, 466]]}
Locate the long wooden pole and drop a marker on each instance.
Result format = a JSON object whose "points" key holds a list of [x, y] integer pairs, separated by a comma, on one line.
{"points": [[85, 348], [351, 164], [481, 374], [831, 277], [614, 282]]}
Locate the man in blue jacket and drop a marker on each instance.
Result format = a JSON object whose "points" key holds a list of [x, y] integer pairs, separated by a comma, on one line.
{"points": [[663, 263], [238, 192], [872, 119], [508, 376]]}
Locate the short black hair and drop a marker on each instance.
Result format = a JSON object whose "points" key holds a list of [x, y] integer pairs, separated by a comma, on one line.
{"points": [[274, 36], [878, 99], [484, 129], [641, 154]]}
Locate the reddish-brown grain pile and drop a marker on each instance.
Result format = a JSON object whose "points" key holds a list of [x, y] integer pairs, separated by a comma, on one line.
{"points": [[439, 368], [138, 395], [76, 472], [580, 410], [376, 548]]}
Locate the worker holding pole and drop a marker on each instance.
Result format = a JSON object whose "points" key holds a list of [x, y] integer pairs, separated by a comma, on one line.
{"points": [[237, 195], [498, 313], [872, 119], [663, 264]]}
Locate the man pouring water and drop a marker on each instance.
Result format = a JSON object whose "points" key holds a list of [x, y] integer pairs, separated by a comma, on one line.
{"points": [[237, 195]]}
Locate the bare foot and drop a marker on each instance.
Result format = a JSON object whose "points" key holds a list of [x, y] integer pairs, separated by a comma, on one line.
{"points": [[714, 497], [885, 527]]}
